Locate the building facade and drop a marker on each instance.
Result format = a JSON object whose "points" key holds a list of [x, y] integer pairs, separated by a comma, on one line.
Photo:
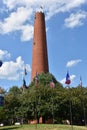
{"points": [[39, 52]]}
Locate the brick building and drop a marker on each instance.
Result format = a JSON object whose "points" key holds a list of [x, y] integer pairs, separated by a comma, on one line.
{"points": [[39, 52]]}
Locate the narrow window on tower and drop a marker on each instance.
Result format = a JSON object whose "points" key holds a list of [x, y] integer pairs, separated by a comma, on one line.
{"points": [[34, 43]]}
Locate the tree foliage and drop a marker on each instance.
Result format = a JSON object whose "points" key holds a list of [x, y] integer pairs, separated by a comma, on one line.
{"points": [[44, 101]]}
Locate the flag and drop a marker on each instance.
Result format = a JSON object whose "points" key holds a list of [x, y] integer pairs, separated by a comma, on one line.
{"points": [[68, 81], [25, 71], [36, 79], [1, 100], [80, 81], [24, 83], [52, 85], [1, 63]]}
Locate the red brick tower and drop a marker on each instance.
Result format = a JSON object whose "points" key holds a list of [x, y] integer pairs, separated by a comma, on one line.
{"points": [[39, 56]]}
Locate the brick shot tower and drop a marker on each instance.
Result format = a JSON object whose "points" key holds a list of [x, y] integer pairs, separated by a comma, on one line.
{"points": [[39, 54]]}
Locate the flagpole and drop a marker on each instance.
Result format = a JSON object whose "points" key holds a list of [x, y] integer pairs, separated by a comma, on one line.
{"points": [[35, 108], [70, 103], [70, 106], [24, 86], [36, 85], [68, 81], [52, 85], [83, 105]]}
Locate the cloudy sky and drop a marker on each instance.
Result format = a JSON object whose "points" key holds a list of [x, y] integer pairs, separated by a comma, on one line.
{"points": [[66, 25]]}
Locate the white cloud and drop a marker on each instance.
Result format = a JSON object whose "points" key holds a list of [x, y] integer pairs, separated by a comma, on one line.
{"points": [[27, 32], [76, 19], [15, 20], [54, 7], [22, 11], [48, 4], [74, 3], [4, 54], [11, 4], [13, 70], [73, 62], [51, 7], [72, 77]]}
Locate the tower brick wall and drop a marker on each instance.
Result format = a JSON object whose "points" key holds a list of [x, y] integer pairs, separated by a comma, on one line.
{"points": [[39, 53]]}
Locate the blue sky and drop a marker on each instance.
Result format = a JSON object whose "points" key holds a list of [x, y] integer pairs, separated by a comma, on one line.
{"points": [[66, 25]]}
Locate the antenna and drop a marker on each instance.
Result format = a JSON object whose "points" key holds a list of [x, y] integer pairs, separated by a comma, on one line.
{"points": [[41, 9]]}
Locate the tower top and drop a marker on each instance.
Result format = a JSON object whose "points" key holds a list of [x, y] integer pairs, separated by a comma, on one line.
{"points": [[40, 9]]}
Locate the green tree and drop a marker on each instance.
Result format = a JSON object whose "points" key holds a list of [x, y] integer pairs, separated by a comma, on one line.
{"points": [[12, 104], [44, 101]]}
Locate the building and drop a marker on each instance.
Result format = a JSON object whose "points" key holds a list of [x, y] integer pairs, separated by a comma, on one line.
{"points": [[39, 53]]}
